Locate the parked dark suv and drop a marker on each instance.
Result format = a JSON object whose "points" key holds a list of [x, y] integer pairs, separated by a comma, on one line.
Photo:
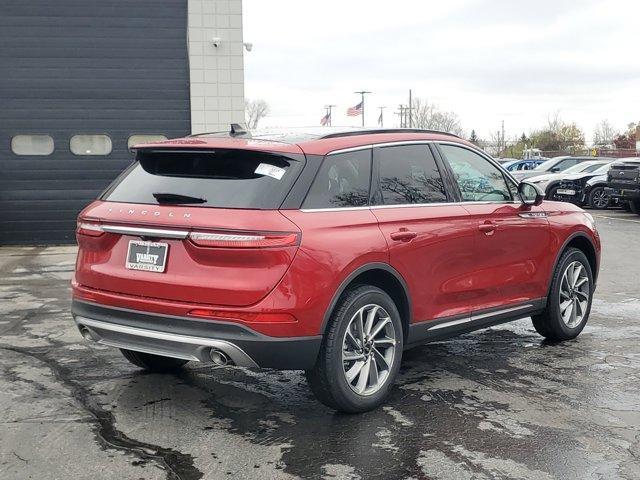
{"points": [[329, 253], [623, 182]]}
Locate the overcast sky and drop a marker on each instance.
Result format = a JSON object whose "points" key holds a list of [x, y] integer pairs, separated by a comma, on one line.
{"points": [[486, 60]]}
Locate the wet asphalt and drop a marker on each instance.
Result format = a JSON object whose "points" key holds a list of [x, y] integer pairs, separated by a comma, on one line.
{"points": [[499, 403]]}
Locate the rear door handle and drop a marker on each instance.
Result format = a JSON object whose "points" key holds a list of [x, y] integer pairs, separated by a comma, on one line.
{"points": [[488, 228], [403, 235]]}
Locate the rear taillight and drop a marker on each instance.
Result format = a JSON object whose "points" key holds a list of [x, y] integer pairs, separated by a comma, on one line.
{"points": [[243, 240], [89, 229]]}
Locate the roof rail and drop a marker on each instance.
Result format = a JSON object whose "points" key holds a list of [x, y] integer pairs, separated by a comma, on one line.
{"points": [[352, 133]]}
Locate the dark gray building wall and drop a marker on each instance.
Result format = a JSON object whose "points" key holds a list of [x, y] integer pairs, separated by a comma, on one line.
{"points": [[67, 67]]}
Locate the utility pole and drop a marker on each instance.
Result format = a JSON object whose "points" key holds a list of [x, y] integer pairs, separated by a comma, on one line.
{"points": [[329, 112], [504, 144], [410, 111], [381, 117], [401, 113], [362, 94]]}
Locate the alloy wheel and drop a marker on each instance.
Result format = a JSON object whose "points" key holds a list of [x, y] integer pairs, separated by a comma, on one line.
{"points": [[600, 199], [368, 349], [574, 294]]}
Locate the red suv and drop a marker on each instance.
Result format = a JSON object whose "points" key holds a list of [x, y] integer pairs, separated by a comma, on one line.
{"points": [[325, 253]]}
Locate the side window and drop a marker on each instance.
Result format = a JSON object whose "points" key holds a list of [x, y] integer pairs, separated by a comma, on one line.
{"points": [[478, 179], [409, 174], [564, 164], [342, 181]]}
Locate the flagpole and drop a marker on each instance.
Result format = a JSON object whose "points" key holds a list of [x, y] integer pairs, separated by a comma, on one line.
{"points": [[381, 116], [329, 111], [362, 94]]}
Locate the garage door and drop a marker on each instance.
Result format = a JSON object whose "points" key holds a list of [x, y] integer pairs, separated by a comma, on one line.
{"points": [[79, 78]]}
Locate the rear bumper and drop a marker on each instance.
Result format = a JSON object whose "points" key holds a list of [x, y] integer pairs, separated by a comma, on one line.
{"points": [[192, 339], [623, 193]]}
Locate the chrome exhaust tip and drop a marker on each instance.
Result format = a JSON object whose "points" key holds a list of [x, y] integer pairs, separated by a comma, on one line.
{"points": [[87, 334], [218, 357]]}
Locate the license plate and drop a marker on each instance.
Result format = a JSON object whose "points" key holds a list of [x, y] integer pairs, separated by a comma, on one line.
{"points": [[148, 256], [563, 191]]}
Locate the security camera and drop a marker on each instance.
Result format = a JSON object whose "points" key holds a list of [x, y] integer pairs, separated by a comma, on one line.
{"points": [[248, 46], [216, 41]]}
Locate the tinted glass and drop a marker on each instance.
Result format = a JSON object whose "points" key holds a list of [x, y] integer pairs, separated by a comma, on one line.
{"points": [[224, 178], [32, 145], [342, 181], [478, 179], [409, 174], [591, 168], [90, 145], [565, 164]]}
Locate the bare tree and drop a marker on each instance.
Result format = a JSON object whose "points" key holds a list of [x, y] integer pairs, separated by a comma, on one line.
{"points": [[604, 133], [428, 116], [254, 111]]}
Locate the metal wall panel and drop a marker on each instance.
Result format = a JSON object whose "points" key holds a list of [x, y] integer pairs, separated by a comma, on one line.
{"points": [[67, 67]]}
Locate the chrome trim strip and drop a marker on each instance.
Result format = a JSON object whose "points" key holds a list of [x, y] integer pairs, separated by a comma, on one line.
{"points": [[351, 149], [450, 324], [479, 317], [410, 205], [336, 209], [145, 232], [239, 357], [500, 312]]}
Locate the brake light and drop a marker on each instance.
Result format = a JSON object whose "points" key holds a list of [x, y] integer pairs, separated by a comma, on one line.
{"points": [[90, 229], [243, 240]]}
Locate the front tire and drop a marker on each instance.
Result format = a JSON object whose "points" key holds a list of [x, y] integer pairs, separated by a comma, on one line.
{"points": [[361, 352], [569, 301], [634, 206], [153, 363], [597, 199]]}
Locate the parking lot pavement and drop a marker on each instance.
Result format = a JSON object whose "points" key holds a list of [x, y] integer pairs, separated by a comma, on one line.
{"points": [[499, 403]]}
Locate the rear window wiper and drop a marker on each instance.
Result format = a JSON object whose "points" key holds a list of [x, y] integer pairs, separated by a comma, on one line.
{"points": [[177, 198]]}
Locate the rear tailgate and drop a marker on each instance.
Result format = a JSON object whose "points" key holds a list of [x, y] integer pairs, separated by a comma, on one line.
{"points": [[215, 217]]}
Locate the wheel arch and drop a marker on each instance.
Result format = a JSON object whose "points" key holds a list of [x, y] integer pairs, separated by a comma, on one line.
{"points": [[383, 276], [582, 242]]}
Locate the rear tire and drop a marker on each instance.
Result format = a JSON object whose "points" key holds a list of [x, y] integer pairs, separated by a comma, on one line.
{"points": [[571, 291], [343, 376], [634, 206], [597, 199], [153, 363]]}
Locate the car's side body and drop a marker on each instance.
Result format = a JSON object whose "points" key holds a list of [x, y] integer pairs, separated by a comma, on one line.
{"points": [[450, 267]]}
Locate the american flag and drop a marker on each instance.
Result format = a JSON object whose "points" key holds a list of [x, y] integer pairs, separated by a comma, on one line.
{"points": [[355, 111], [324, 121]]}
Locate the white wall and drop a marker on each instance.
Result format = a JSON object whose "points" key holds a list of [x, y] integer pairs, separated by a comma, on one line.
{"points": [[217, 73]]}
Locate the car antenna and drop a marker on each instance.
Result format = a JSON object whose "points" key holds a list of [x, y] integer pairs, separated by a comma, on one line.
{"points": [[237, 129]]}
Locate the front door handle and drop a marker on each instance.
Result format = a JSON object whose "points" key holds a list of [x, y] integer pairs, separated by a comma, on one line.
{"points": [[403, 235], [488, 228]]}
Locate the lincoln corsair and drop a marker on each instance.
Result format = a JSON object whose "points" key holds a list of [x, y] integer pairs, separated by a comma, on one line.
{"points": [[329, 253]]}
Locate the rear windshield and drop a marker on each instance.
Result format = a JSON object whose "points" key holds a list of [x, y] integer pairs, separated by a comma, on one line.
{"points": [[221, 178]]}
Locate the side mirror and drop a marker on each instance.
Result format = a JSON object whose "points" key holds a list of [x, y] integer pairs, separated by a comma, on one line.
{"points": [[530, 194], [555, 169]]}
